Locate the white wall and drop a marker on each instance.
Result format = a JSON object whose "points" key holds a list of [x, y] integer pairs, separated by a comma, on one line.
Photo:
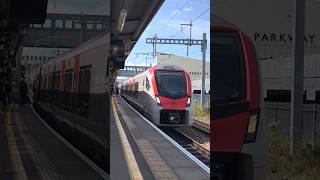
{"points": [[269, 19], [193, 66]]}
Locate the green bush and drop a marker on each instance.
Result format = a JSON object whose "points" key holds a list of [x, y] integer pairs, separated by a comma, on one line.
{"points": [[200, 113], [303, 165]]}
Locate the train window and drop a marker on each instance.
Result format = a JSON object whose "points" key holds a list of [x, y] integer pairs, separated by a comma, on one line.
{"points": [[147, 84], [131, 88], [228, 68], [136, 89], [171, 84], [56, 82], [50, 87], [83, 90], [84, 79], [67, 88], [51, 81]]}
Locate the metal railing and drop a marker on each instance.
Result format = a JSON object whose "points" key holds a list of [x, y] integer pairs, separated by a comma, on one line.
{"points": [[197, 98], [280, 112]]}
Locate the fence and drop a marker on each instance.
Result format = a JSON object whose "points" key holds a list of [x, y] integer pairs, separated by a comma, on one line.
{"points": [[197, 98], [280, 112]]}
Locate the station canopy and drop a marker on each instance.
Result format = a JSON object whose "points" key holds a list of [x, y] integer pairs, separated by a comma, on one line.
{"points": [[129, 19]]}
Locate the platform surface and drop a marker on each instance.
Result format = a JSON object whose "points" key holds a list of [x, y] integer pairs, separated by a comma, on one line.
{"points": [[28, 150], [163, 159]]}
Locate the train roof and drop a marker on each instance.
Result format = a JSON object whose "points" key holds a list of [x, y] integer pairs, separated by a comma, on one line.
{"points": [[221, 23], [167, 67]]}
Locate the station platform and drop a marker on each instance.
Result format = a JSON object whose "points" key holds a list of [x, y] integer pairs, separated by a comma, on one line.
{"points": [[29, 150], [138, 151]]}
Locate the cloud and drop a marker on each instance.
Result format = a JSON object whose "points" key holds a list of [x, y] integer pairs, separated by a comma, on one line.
{"points": [[187, 8], [175, 12]]}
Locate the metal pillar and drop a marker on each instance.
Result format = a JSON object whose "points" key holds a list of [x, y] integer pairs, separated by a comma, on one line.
{"points": [[296, 114], [189, 44], [82, 24], [203, 72]]}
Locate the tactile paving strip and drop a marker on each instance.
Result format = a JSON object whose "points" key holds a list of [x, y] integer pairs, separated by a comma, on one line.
{"points": [[159, 168]]}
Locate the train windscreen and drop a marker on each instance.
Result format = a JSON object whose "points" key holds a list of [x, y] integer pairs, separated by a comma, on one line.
{"points": [[171, 84], [228, 68]]}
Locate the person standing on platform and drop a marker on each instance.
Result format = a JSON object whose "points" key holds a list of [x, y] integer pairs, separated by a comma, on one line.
{"points": [[5, 91], [23, 91]]}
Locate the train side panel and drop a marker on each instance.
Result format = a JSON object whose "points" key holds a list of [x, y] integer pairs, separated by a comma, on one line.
{"points": [[75, 103]]}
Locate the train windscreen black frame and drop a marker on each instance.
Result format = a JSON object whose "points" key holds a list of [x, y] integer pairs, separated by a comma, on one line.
{"points": [[171, 84], [228, 67]]}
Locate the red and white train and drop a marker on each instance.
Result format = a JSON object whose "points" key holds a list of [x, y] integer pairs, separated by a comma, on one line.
{"points": [[70, 92], [238, 131], [162, 93]]}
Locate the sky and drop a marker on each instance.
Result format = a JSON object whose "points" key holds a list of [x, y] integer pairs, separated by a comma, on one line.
{"points": [[166, 24]]}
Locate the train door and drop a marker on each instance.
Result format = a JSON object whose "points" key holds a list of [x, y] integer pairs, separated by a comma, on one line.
{"points": [[147, 93]]}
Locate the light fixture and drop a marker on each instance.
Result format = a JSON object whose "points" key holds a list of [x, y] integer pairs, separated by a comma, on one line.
{"points": [[122, 19], [158, 100], [252, 128], [189, 102]]}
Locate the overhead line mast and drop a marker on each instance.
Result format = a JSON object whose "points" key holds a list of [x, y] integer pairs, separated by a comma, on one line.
{"points": [[189, 44]]}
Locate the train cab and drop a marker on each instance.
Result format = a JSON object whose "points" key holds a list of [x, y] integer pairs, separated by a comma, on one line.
{"points": [[238, 139]]}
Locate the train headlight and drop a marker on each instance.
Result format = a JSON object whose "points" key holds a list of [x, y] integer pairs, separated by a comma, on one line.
{"points": [[189, 101], [158, 101], [252, 127]]}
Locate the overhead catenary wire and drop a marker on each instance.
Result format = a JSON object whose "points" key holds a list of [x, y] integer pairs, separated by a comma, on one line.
{"points": [[201, 15], [194, 20], [181, 30]]}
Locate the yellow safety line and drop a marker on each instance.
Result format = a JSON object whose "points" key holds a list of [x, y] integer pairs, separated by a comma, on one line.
{"points": [[18, 169], [132, 164]]}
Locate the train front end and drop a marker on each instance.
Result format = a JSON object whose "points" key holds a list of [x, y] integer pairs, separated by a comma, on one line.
{"points": [[172, 92], [238, 139]]}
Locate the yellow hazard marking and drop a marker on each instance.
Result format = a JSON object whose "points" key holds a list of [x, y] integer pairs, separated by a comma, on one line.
{"points": [[132, 164], [18, 169]]}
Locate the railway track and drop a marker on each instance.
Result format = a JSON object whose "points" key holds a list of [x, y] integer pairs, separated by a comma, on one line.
{"points": [[204, 127], [188, 144]]}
